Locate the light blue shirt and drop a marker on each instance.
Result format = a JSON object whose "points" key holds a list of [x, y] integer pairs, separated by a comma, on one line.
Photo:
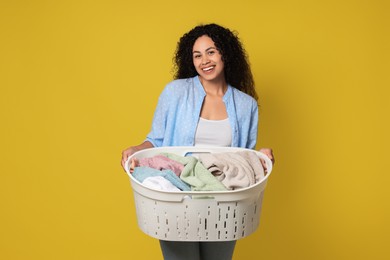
{"points": [[178, 111]]}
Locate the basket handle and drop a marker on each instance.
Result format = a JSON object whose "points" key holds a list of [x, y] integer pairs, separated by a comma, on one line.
{"points": [[199, 150]]}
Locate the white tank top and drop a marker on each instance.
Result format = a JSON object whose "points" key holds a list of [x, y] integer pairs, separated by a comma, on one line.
{"points": [[213, 133]]}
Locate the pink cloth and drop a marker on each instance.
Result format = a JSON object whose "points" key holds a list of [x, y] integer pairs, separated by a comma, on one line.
{"points": [[161, 162]]}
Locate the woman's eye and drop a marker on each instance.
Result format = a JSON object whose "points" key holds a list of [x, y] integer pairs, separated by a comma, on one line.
{"points": [[211, 52]]}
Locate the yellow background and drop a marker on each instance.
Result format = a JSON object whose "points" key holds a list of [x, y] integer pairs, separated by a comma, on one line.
{"points": [[80, 80]]}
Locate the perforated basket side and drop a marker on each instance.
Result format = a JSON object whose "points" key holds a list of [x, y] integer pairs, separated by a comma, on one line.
{"points": [[198, 219]]}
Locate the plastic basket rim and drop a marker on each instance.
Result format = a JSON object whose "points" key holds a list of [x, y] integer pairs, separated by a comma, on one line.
{"points": [[199, 149]]}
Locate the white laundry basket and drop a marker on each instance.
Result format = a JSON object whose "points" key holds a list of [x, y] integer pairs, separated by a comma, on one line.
{"points": [[197, 215]]}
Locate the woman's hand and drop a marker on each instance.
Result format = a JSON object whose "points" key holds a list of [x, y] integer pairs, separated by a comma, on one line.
{"points": [[132, 149], [269, 153], [126, 154]]}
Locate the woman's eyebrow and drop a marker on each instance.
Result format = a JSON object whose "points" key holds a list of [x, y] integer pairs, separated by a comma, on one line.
{"points": [[209, 48]]}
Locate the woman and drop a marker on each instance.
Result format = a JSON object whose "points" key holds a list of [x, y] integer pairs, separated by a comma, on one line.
{"points": [[211, 102]]}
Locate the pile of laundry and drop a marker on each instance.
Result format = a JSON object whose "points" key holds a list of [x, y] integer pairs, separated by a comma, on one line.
{"points": [[205, 172]]}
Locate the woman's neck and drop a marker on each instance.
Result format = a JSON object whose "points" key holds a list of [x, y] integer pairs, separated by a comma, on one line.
{"points": [[215, 87]]}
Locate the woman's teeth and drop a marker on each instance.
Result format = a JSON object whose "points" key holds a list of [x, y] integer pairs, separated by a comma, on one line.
{"points": [[207, 69]]}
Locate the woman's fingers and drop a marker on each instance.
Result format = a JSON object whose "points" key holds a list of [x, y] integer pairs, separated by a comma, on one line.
{"points": [[125, 155], [269, 153], [264, 164]]}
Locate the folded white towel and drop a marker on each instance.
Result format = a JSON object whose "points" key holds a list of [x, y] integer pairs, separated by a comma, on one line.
{"points": [[159, 183]]}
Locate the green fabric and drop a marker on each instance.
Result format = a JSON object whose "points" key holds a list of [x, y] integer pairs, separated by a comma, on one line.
{"points": [[196, 175]]}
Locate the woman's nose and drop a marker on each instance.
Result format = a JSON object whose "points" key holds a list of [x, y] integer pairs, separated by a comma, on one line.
{"points": [[205, 60]]}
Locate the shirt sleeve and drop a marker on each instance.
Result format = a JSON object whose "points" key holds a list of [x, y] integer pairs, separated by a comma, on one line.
{"points": [[253, 126], [160, 119]]}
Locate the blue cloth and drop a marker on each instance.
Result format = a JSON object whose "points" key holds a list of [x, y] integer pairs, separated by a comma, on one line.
{"points": [[143, 172], [178, 111]]}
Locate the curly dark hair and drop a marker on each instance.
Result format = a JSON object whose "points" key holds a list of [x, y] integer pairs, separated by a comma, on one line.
{"points": [[236, 65]]}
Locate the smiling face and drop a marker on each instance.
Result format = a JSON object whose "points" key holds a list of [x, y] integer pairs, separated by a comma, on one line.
{"points": [[207, 59]]}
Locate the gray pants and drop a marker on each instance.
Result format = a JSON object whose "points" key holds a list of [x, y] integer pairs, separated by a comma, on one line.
{"points": [[177, 250]]}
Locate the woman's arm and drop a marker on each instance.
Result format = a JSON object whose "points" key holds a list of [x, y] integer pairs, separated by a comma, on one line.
{"points": [[132, 149]]}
